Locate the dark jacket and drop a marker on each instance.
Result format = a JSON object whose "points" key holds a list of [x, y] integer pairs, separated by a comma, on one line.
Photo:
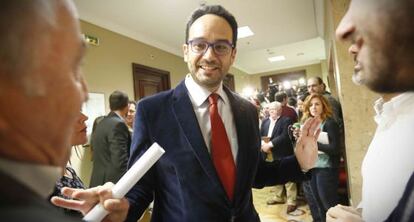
{"points": [[19, 203], [279, 137], [110, 141], [404, 211], [184, 181], [333, 148]]}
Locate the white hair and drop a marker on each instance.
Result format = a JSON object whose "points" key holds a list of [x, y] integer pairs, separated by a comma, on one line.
{"points": [[24, 25], [275, 105]]}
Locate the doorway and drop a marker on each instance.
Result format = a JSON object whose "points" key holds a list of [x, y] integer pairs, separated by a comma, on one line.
{"points": [[149, 80]]}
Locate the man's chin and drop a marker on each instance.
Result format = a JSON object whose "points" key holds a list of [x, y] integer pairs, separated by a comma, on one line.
{"points": [[358, 79]]}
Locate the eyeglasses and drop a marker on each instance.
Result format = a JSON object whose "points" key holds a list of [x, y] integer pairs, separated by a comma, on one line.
{"points": [[201, 46]]}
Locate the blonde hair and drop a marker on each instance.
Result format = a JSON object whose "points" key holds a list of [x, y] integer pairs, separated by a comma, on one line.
{"points": [[326, 107]]}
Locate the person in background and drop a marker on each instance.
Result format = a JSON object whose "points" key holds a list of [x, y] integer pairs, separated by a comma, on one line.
{"points": [[70, 178], [300, 101], [211, 138], [111, 141], [386, 67], [316, 85], [276, 142], [40, 71], [130, 118], [292, 103], [321, 190], [287, 111]]}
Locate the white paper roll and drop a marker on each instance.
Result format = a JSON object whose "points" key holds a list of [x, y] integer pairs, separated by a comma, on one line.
{"points": [[128, 180]]}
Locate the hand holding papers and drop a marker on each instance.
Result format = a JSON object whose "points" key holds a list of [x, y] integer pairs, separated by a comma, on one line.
{"points": [[131, 177], [323, 138]]}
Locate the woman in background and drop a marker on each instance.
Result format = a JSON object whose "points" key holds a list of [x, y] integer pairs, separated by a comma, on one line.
{"points": [[70, 178], [321, 189]]}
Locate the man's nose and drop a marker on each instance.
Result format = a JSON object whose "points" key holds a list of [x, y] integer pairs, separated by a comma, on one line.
{"points": [[345, 28], [209, 53]]}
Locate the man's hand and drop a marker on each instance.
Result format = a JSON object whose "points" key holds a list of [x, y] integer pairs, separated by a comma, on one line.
{"points": [[341, 213], [267, 148], [85, 200], [306, 149]]}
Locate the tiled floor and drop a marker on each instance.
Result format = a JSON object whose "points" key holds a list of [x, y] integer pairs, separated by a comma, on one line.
{"points": [[277, 213]]}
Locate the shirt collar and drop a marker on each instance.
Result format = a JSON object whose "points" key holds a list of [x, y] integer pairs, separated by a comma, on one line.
{"points": [[200, 94], [271, 120], [388, 108], [122, 118], [39, 178]]}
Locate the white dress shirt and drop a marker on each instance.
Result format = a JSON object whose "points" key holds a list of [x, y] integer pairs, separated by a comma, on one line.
{"points": [[199, 99], [271, 127], [389, 161]]}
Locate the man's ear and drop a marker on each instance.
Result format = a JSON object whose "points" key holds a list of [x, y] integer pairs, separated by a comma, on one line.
{"points": [[233, 55], [185, 52]]}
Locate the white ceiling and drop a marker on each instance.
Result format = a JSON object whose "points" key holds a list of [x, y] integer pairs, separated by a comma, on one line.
{"points": [[293, 28]]}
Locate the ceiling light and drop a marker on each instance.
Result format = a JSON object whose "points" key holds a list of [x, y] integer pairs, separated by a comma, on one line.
{"points": [[302, 81], [287, 85], [277, 58], [248, 91], [243, 32]]}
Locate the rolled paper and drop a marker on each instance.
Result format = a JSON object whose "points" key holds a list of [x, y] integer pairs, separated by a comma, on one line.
{"points": [[128, 180]]}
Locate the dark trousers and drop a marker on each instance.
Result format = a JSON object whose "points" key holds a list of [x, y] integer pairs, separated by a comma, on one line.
{"points": [[321, 192]]}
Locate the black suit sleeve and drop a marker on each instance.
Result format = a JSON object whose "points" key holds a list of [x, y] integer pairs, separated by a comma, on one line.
{"points": [[332, 149], [119, 149], [404, 212], [279, 172]]}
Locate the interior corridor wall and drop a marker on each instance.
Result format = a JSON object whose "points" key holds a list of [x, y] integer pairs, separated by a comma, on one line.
{"points": [[357, 101]]}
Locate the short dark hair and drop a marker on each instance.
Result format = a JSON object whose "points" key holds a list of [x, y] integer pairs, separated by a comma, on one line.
{"points": [[214, 10], [118, 100], [280, 96], [292, 101], [132, 102]]}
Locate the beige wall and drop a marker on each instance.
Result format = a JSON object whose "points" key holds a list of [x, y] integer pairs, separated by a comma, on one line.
{"points": [[311, 71], [109, 66], [356, 101]]}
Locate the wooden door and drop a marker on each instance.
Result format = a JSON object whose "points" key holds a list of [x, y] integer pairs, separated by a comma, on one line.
{"points": [[149, 81]]}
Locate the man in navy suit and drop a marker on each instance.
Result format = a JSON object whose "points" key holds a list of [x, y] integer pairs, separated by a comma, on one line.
{"points": [[384, 56], [186, 183]]}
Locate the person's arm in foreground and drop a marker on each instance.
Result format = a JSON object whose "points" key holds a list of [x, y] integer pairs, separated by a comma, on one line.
{"points": [[341, 213], [85, 200]]}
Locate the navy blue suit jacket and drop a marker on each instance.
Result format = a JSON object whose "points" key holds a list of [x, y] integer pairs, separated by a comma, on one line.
{"points": [[184, 183], [404, 212], [279, 137]]}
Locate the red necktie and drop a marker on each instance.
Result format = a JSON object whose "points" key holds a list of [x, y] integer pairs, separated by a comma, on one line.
{"points": [[221, 149]]}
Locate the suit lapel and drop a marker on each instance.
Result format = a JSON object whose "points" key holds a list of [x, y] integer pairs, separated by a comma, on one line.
{"points": [[277, 123], [183, 110], [244, 160], [266, 125]]}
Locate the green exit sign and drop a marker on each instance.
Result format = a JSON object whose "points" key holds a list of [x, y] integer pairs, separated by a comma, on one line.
{"points": [[91, 39]]}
